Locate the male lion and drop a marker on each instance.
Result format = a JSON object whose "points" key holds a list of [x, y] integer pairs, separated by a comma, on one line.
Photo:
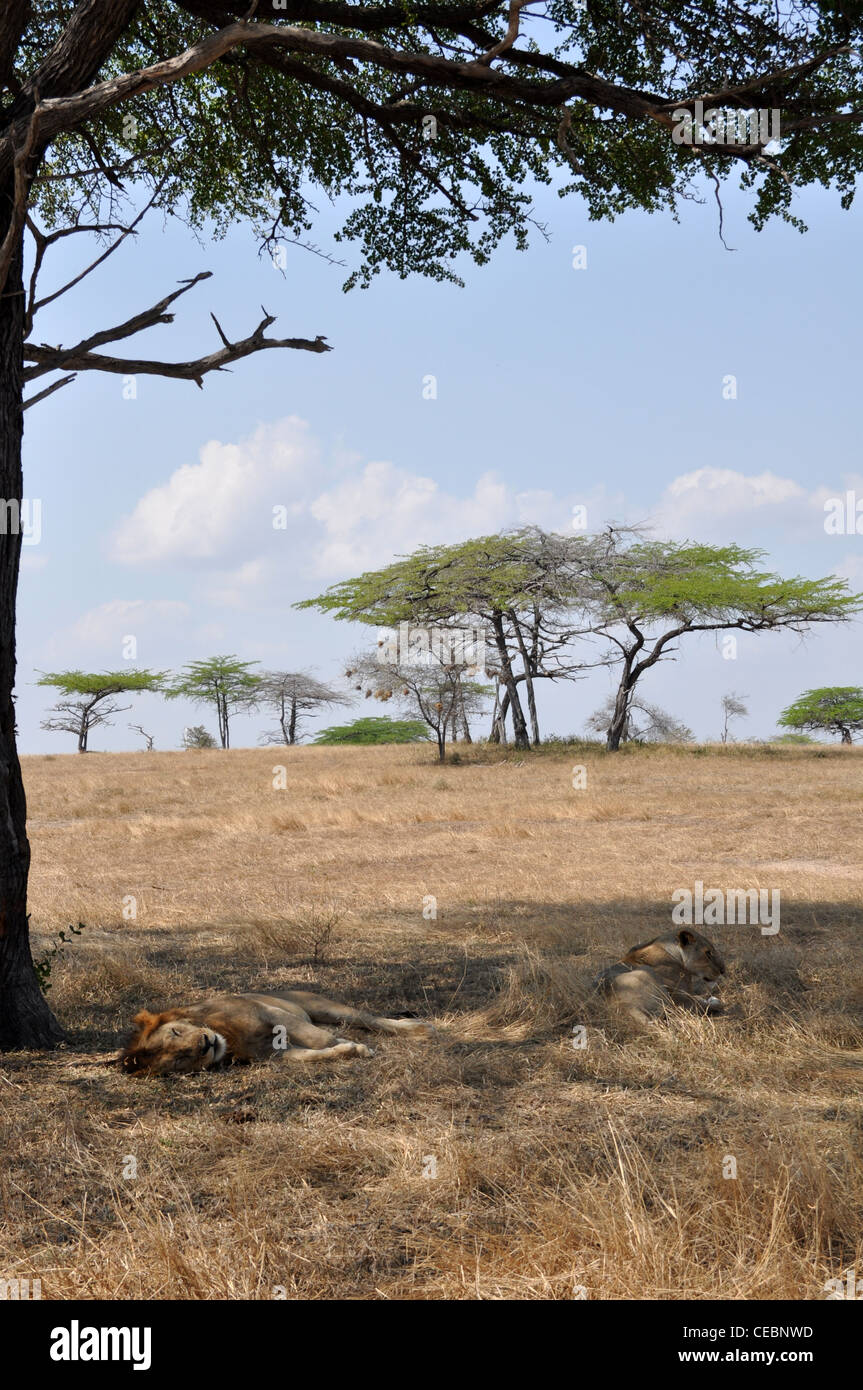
{"points": [[680, 967], [250, 1027]]}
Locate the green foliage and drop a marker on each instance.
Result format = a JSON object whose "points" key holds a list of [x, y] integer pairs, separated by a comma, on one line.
{"points": [[441, 583], [705, 586], [834, 709], [104, 683], [45, 964], [792, 739], [217, 677], [248, 137], [689, 583], [196, 736], [379, 730], [224, 682]]}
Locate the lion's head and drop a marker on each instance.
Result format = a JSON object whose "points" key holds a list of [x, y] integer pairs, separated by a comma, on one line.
{"points": [[164, 1043], [698, 956]]}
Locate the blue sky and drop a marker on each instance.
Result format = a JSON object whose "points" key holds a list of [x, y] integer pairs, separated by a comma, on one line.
{"points": [[556, 386]]}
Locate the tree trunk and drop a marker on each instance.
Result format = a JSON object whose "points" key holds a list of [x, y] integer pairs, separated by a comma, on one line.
{"points": [[531, 706], [498, 719], [519, 727], [292, 728], [620, 718], [528, 678], [25, 1019]]}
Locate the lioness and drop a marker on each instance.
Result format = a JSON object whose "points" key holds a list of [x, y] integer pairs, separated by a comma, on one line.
{"points": [[250, 1027], [680, 967]]}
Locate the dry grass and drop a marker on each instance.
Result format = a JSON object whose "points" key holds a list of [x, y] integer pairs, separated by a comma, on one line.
{"points": [[555, 1168]]}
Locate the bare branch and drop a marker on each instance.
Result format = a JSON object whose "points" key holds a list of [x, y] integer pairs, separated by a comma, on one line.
{"points": [[148, 319], [48, 391], [515, 9], [43, 241], [81, 358]]}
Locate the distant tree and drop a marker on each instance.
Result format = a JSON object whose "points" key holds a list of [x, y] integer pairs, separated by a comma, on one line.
{"points": [[381, 730], [644, 723], [732, 708], [95, 704], [792, 738], [644, 595], [293, 695], [136, 728], [836, 709], [437, 690], [196, 736], [516, 590], [223, 682]]}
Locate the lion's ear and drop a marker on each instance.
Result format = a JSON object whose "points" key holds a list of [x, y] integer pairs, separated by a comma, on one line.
{"points": [[686, 938]]}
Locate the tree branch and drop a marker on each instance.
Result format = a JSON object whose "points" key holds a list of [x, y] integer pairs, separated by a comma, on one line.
{"points": [[81, 358], [21, 189], [515, 9], [48, 391]]}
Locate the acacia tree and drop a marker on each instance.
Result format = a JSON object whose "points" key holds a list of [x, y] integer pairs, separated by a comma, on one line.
{"points": [[521, 588], [439, 691], [646, 594], [293, 695], [836, 709], [224, 682], [431, 118], [150, 738], [645, 723], [733, 707], [95, 704]]}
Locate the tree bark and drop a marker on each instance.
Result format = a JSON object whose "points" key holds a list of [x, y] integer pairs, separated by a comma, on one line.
{"points": [[498, 719], [528, 678], [25, 1019], [519, 726], [620, 718]]}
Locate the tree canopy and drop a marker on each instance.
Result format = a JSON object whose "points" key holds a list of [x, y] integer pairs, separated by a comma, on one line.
{"points": [[224, 682], [836, 709], [376, 730], [94, 704], [430, 119]]}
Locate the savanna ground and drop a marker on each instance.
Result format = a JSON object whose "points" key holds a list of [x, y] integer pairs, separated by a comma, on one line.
{"points": [[498, 1160]]}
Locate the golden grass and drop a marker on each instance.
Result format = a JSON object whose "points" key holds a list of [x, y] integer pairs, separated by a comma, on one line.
{"points": [[497, 1161]]}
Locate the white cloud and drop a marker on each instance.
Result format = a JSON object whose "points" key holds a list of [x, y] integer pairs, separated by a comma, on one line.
{"points": [[206, 510], [343, 515], [121, 616], [340, 515], [711, 499]]}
